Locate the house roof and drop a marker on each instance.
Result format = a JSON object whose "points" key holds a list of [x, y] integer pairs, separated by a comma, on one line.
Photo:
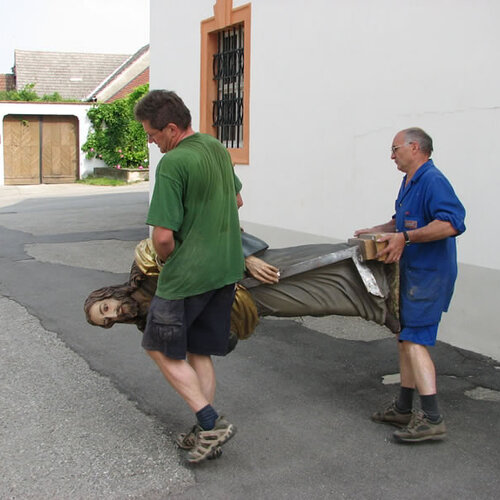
{"points": [[73, 75], [132, 73]]}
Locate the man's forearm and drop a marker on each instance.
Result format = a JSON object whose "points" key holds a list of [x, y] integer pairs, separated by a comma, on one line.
{"points": [[388, 227], [163, 242], [435, 230]]}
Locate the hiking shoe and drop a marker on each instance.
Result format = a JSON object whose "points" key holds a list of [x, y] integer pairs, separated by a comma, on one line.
{"points": [[187, 440], [208, 441], [421, 428], [391, 415]]}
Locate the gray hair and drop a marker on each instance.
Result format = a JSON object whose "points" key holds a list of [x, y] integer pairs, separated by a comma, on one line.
{"points": [[424, 140]]}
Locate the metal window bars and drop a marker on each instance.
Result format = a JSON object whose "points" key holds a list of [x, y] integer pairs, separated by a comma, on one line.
{"points": [[228, 73]]}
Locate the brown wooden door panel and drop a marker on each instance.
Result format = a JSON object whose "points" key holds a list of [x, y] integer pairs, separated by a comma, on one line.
{"points": [[21, 150], [40, 149], [59, 149]]}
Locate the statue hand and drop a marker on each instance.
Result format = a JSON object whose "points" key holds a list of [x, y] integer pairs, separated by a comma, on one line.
{"points": [[261, 270]]}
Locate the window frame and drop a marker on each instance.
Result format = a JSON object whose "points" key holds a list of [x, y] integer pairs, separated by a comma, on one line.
{"points": [[225, 19]]}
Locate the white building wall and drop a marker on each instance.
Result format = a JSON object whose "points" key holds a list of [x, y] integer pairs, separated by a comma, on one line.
{"points": [[331, 84], [62, 109]]}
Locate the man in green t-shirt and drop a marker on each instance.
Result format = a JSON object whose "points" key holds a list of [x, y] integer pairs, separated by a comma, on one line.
{"points": [[196, 233]]}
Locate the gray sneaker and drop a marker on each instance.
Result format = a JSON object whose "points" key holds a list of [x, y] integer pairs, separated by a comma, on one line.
{"points": [[421, 428], [391, 415], [207, 442]]}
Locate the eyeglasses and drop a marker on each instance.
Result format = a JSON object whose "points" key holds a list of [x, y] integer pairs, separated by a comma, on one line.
{"points": [[152, 136], [395, 148]]}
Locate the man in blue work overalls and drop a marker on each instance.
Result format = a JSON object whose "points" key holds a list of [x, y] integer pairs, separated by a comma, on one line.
{"points": [[421, 237]]}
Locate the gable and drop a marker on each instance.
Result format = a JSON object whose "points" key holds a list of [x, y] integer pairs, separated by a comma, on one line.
{"points": [[131, 74]]}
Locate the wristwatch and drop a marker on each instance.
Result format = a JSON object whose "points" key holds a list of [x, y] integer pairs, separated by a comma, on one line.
{"points": [[407, 238]]}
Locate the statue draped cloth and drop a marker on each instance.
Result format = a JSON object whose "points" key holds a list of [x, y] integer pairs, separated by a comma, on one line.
{"points": [[334, 289]]}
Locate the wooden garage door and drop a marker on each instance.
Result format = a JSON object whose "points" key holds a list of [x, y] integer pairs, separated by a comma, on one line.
{"points": [[21, 150], [40, 149], [59, 149]]}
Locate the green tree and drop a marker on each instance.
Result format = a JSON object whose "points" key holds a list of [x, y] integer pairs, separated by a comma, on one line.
{"points": [[116, 137]]}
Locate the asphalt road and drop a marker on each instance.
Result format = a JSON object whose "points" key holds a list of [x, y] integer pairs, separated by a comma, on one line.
{"points": [[85, 414]]}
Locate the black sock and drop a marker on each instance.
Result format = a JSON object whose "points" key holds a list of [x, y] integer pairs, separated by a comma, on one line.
{"points": [[404, 403], [429, 406], [206, 417]]}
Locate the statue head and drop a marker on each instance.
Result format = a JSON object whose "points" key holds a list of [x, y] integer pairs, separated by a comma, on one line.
{"points": [[111, 304]]}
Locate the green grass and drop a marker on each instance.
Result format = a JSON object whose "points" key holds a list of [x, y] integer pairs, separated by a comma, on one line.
{"points": [[101, 181]]}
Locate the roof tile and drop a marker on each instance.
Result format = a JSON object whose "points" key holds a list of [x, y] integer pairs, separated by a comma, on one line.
{"points": [[73, 75]]}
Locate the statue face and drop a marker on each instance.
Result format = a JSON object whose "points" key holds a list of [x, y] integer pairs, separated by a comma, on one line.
{"points": [[104, 312]]}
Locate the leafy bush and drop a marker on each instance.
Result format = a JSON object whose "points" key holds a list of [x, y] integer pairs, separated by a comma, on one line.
{"points": [[28, 94], [116, 137]]}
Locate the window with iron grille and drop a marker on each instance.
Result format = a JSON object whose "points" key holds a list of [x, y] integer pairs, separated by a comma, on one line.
{"points": [[225, 78], [228, 73]]}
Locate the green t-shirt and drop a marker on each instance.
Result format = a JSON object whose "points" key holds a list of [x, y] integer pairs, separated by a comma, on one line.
{"points": [[195, 196]]}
